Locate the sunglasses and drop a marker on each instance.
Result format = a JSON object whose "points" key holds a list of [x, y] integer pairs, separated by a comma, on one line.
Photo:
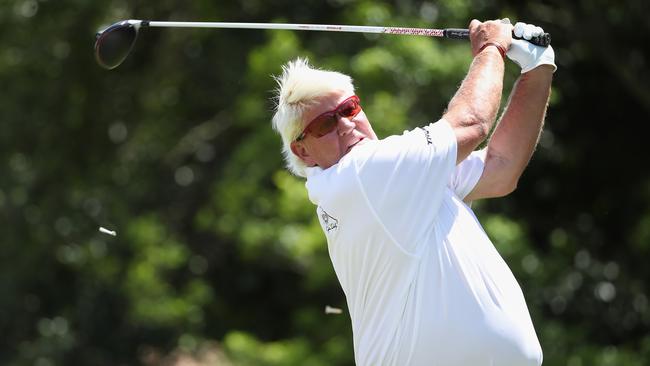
{"points": [[326, 122]]}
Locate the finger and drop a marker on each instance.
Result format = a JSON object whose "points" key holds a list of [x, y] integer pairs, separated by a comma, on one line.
{"points": [[474, 26], [528, 31], [505, 21], [519, 29], [474, 23]]}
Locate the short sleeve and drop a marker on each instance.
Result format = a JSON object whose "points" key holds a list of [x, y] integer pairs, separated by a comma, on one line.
{"points": [[405, 177], [467, 173]]}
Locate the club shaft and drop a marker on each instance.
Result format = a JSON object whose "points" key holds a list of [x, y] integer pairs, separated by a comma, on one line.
{"points": [[459, 33]]}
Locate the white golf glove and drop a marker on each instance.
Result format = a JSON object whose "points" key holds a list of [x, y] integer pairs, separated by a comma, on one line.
{"points": [[527, 55]]}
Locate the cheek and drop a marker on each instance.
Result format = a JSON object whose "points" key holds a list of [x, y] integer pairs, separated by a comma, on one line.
{"points": [[333, 145], [326, 152], [366, 128], [327, 145], [364, 123]]}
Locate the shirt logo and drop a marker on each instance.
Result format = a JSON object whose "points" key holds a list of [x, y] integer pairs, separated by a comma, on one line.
{"points": [[329, 223], [427, 135]]}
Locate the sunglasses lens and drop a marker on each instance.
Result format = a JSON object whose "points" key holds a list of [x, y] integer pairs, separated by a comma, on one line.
{"points": [[323, 125], [327, 122], [350, 109]]}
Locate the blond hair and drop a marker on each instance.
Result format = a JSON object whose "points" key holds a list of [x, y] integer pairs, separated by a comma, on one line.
{"points": [[298, 87]]}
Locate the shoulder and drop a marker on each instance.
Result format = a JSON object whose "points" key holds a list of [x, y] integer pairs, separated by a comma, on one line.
{"points": [[418, 144]]}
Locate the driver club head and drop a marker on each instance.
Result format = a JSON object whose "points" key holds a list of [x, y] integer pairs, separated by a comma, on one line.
{"points": [[113, 44]]}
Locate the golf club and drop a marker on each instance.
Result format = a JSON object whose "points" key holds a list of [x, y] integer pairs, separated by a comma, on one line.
{"points": [[113, 44]]}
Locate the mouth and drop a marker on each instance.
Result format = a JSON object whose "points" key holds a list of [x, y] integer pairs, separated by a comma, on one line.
{"points": [[353, 145]]}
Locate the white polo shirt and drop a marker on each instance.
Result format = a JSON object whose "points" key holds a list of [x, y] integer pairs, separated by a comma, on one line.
{"points": [[423, 282]]}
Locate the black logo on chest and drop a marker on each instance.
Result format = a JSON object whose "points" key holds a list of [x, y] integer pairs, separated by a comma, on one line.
{"points": [[329, 223]]}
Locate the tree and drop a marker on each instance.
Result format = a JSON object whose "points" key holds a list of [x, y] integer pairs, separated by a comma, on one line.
{"points": [[216, 242]]}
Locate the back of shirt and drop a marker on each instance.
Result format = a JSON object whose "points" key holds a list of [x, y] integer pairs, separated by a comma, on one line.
{"points": [[424, 284]]}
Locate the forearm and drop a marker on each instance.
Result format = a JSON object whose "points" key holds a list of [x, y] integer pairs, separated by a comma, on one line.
{"points": [[517, 133], [473, 109]]}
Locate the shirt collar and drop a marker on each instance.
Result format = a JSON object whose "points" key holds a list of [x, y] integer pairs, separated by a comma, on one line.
{"points": [[312, 171]]}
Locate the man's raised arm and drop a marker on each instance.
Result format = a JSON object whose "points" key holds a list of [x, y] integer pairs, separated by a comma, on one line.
{"points": [[473, 109], [515, 137]]}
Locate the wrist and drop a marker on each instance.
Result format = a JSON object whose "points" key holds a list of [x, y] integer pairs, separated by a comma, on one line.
{"points": [[539, 73], [499, 47]]}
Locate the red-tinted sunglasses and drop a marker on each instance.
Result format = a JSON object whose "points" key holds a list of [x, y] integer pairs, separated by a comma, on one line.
{"points": [[326, 122]]}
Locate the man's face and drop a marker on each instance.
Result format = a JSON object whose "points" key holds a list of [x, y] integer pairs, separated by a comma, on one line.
{"points": [[327, 150]]}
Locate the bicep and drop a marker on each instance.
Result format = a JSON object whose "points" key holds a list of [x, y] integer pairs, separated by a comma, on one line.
{"points": [[467, 138]]}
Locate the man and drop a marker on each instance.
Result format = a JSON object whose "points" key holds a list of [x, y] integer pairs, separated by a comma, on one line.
{"points": [[423, 283]]}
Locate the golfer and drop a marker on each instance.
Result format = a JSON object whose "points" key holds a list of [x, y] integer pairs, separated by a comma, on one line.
{"points": [[424, 284]]}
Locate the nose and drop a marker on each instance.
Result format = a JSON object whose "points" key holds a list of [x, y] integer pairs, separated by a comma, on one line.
{"points": [[345, 125]]}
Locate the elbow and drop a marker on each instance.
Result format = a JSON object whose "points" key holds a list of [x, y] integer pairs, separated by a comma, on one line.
{"points": [[474, 126], [482, 129], [504, 187], [505, 174], [478, 129], [480, 119], [509, 188]]}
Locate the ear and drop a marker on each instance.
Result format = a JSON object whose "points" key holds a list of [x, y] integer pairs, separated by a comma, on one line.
{"points": [[300, 150]]}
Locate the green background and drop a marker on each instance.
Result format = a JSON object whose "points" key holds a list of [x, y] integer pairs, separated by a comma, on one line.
{"points": [[218, 255]]}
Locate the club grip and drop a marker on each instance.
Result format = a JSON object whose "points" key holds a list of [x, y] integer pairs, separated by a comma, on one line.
{"points": [[458, 33], [543, 40]]}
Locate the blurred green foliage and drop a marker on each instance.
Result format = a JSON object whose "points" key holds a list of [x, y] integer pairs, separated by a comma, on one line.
{"points": [[218, 247]]}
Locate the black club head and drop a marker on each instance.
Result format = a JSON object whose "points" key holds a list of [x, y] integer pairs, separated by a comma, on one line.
{"points": [[113, 44]]}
